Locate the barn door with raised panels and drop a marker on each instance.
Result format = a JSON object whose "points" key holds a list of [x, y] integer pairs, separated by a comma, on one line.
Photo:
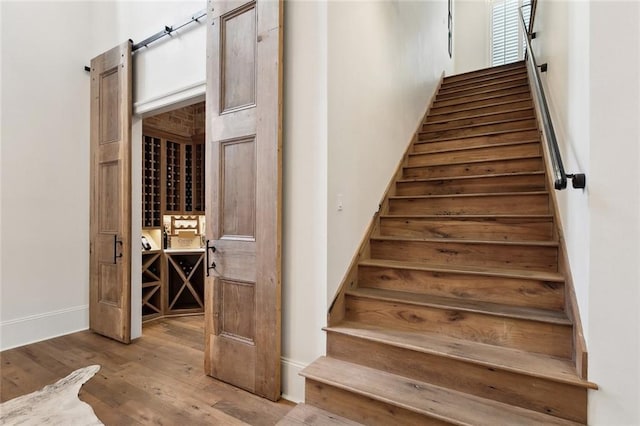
{"points": [[244, 100], [110, 217]]}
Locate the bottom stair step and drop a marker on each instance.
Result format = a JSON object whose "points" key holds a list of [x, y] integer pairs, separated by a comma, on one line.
{"points": [[375, 397], [304, 414]]}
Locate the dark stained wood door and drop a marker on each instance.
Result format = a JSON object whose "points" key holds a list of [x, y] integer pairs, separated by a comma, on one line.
{"points": [[110, 221], [243, 200]]}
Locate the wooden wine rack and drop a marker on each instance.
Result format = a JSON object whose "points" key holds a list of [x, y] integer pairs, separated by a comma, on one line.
{"points": [[172, 178], [151, 284], [198, 178], [151, 182], [185, 282]]}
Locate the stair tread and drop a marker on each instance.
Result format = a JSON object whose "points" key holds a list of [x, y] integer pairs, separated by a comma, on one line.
{"points": [[484, 79], [305, 414], [474, 161], [549, 243], [495, 70], [473, 270], [495, 132], [479, 107], [494, 175], [531, 314], [482, 194], [467, 148], [471, 126], [484, 90], [512, 91], [479, 115], [508, 359], [468, 216], [480, 85], [420, 397]]}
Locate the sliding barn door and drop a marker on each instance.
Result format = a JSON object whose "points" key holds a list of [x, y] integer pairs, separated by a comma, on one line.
{"points": [[244, 114], [110, 222]]}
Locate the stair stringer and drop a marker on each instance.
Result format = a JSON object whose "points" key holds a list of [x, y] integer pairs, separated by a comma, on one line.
{"points": [[350, 280]]}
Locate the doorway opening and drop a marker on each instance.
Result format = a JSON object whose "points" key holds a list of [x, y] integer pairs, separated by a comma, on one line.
{"points": [[173, 214]]}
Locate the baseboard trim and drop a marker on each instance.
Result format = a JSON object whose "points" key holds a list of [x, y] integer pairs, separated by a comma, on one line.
{"points": [[35, 328], [292, 382]]}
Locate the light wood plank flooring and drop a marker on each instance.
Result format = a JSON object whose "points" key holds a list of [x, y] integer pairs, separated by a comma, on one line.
{"points": [[158, 379]]}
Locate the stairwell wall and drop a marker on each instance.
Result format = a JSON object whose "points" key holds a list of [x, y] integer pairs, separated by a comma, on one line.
{"points": [[382, 69], [593, 51]]}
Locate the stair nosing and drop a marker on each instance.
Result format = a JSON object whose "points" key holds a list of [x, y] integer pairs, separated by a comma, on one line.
{"points": [[470, 216], [456, 163], [514, 85], [483, 78], [481, 194], [471, 270], [536, 243], [388, 398], [436, 113], [470, 126], [543, 315], [348, 327], [478, 115], [463, 177]]}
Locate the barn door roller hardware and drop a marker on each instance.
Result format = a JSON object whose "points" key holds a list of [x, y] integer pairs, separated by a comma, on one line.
{"points": [[167, 31]]}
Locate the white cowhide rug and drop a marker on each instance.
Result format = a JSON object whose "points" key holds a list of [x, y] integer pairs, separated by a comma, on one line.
{"points": [[55, 404]]}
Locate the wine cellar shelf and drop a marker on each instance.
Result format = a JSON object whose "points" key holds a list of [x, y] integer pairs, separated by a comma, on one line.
{"points": [[151, 284], [185, 282], [151, 182]]}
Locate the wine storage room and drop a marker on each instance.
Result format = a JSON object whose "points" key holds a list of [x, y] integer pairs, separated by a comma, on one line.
{"points": [[173, 213]]}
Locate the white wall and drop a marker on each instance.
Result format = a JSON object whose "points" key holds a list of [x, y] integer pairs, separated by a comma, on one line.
{"points": [[471, 35], [45, 170], [593, 51], [383, 67]]}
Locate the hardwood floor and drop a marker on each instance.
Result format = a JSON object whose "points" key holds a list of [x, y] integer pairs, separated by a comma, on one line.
{"points": [[158, 379]]}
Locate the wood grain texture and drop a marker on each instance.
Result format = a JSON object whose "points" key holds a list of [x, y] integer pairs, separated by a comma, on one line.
{"points": [[479, 154], [534, 336], [545, 396], [492, 72], [520, 92], [493, 228], [110, 215], [480, 112], [531, 163], [503, 203], [515, 291], [380, 398], [484, 89], [481, 129], [466, 105], [513, 113], [158, 379], [510, 138], [504, 182], [309, 415], [244, 196], [485, 81]]}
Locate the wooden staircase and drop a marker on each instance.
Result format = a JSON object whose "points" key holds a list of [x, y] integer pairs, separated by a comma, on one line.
{"points": [[458, 307]]}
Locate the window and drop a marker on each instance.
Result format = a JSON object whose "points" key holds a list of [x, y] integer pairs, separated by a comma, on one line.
{"points": [[507, 42]]}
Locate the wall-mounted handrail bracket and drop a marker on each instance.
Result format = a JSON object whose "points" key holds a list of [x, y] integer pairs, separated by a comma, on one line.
{"points": [[559, 175]]}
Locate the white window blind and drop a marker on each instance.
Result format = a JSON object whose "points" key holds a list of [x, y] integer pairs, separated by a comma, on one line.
{"points": [[507, 42]]}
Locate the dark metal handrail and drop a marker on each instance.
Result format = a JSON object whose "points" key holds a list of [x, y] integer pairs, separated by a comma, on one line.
{"points": [[578, 180]]}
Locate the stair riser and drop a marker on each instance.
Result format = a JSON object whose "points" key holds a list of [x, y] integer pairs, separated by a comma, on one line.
{"points": [[497, 109], [473, 169], [360, 408], [510, 138], [527, 335], [495, 96], [484, 73], [475, 155], [494, 229], [515, 204], [506, 83], [558, 399], [488, 255], [476, 121], [528, 293], [473, 185], [438, 110], [478, 130], [507, 75]]}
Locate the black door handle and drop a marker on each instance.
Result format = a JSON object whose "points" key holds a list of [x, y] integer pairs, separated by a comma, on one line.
{"points": [[212, 264], [116, 241]]}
